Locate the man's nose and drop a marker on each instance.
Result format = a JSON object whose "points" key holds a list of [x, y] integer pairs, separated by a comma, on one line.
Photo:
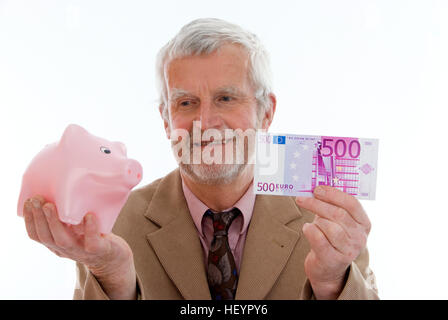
{"points": [[209, 115]]}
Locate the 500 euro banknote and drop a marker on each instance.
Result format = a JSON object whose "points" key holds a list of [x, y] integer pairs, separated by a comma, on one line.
{"points": [[293, 165]]}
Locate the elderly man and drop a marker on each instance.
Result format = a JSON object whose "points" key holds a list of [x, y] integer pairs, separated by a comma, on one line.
{"points": [[200, 232]]}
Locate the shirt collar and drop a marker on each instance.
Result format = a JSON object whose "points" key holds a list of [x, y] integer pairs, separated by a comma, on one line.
{"points": [[197, 208]]}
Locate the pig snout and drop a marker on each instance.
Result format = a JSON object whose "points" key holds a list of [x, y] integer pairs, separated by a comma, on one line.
{"points": [[133, 173]]}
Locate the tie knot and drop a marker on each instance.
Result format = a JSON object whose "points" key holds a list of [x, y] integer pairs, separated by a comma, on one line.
{"points": [[222, 220]]}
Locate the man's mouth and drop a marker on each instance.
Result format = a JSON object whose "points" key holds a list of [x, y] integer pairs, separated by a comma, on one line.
{"points": [[212, 142]]}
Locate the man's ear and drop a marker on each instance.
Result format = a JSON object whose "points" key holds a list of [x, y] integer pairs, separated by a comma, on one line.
{"points": [[165, 121], [269, 114]]}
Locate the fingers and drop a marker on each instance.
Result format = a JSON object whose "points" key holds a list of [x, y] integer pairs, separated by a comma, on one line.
{"points": [[29, 220], [337, 237], [43, 225], [62, 238], [319, 243], [40, 221], [338, 233], [333, 204], [82, 242], [77, 229], [343, 200], [329, 212], [342, 231]]}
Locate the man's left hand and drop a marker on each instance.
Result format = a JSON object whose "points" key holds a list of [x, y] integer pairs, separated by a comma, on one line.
{"points": [[337, 236]]}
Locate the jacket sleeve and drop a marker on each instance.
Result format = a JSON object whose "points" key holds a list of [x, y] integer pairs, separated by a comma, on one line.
{"points": [[88, 287], [360, 283]]}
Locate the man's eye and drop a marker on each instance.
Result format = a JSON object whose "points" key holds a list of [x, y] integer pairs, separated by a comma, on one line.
{"points": [[185, 103], [226, 98]]}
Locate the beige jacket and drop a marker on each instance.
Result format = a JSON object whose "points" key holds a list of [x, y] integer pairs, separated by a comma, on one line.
{"points": [[169, 262]]}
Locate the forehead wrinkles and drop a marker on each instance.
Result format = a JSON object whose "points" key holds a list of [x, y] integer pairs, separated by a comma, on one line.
{"points": [[238, 60]]}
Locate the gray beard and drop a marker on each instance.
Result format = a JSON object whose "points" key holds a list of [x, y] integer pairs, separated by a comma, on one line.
{"points": [[216, 174], [212, 174]]}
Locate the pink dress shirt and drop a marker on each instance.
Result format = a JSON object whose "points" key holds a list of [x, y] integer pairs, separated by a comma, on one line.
{"points": [[238, 228]]}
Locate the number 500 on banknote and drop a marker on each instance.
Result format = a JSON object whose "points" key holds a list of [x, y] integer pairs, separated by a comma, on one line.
{"points": [[293, 165]]}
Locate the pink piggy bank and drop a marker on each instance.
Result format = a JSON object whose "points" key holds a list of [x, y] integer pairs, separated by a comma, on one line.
{"points": [[82, 173]]}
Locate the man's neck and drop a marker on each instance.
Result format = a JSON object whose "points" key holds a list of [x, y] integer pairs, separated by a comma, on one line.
{"points": [[222, 196]]}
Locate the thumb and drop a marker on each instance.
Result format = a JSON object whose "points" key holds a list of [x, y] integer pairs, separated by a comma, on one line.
{"points": [[93, 240]]}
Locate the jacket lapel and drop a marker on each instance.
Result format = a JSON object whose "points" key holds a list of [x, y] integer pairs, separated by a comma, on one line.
{"points": [[269, 244], [176, 243]]}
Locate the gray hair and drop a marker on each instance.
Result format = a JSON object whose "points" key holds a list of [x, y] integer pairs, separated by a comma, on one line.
{"points": [[204, 36]]}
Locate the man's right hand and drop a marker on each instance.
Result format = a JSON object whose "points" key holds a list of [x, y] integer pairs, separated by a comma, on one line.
{"points": [[108, 257]]}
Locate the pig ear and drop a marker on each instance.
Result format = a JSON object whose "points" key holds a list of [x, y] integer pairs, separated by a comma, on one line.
{"points": [[72, 133], [121, 146]]}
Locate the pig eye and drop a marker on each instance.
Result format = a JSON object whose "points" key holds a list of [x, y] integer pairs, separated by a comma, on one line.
{"points": [[105, 150]]}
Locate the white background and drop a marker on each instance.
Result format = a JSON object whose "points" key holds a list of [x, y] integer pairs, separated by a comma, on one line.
{"points": [[372, 69]]}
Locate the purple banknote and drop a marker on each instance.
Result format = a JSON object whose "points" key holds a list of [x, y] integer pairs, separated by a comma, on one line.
{"points": [[293, 165]]}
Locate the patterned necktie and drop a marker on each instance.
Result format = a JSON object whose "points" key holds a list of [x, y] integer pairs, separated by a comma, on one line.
{"points": [[222, 274]]}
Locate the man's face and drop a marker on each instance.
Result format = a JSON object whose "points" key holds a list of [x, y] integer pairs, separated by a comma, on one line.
{"points": [[214, 89]]}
